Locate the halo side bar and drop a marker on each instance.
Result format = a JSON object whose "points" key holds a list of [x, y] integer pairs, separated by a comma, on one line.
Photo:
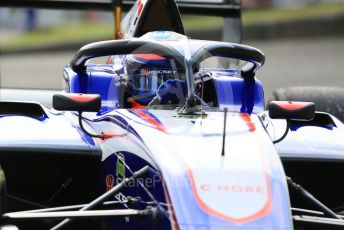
{"points": [[231, 50], [121, 47]]}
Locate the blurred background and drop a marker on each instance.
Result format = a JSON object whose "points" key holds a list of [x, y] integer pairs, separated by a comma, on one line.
{"points": [[303, 41]]}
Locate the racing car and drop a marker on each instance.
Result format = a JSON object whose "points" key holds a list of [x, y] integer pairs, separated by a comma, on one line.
{"points": [[170, 133]]}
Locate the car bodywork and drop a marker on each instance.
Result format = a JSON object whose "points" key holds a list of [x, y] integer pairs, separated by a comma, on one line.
{"points": [[211, 157]]}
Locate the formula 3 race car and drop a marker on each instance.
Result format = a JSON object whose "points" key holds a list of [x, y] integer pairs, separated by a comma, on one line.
{"points": [[171, 133]]}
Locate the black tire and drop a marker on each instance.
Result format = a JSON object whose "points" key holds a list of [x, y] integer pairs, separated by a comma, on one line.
{"points": [[326, 99], [3, 198]]}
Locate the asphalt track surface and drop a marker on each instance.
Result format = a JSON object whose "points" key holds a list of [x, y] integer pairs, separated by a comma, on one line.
{"points": [[299, 62]]}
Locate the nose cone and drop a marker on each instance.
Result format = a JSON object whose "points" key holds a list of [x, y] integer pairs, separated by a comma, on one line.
{"points": [[240, 189]]}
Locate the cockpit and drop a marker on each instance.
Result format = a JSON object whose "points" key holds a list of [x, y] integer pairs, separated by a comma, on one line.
{"points": [[166, 70]]}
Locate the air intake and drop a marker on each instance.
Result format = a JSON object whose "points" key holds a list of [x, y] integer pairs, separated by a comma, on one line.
{"points": [[28, 109]]}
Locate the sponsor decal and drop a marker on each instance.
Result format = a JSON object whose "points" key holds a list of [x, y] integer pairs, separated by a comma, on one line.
{"points": [[225, 190], [165, 71], [109, 181], [232, 188], [123, 199], [147, 72], [120, 167]]}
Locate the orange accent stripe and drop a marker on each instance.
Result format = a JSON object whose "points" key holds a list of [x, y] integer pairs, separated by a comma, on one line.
{"points": [[149, 119], [174, 223], [136, 105], [149, 56], [139, 10], [109, 60], [109, 135], [82, 97], [251, 125], [291, 105]]}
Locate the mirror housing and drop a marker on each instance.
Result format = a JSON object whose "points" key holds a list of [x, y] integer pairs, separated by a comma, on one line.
{"points": [[291, 110], [77, 102], [80, 103]]}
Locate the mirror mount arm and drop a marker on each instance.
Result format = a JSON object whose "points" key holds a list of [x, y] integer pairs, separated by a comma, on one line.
{"points": [[101, 136], [285, 133]]}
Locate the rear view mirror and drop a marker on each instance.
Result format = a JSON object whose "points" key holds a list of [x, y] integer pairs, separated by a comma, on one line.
{"points": [[77, 102], [80, 103], [291, 110]]}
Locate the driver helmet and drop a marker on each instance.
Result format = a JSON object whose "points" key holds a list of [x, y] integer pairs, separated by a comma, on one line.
{"points": [[146, 73]]}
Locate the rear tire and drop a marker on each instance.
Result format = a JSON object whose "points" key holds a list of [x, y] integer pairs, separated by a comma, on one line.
{"points": [[3, 197], [326, 99]]}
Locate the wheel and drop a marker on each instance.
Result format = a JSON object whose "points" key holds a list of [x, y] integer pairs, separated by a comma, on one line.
{"points": [[326, 99], [2, 192]]}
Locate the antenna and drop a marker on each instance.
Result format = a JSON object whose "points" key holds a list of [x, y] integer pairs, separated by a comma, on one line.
{"points": [[117, 11], [224, 131]]}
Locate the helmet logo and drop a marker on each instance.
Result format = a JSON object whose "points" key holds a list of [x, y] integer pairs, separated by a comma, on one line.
{"points": [[145, 72], [110, 180]]}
